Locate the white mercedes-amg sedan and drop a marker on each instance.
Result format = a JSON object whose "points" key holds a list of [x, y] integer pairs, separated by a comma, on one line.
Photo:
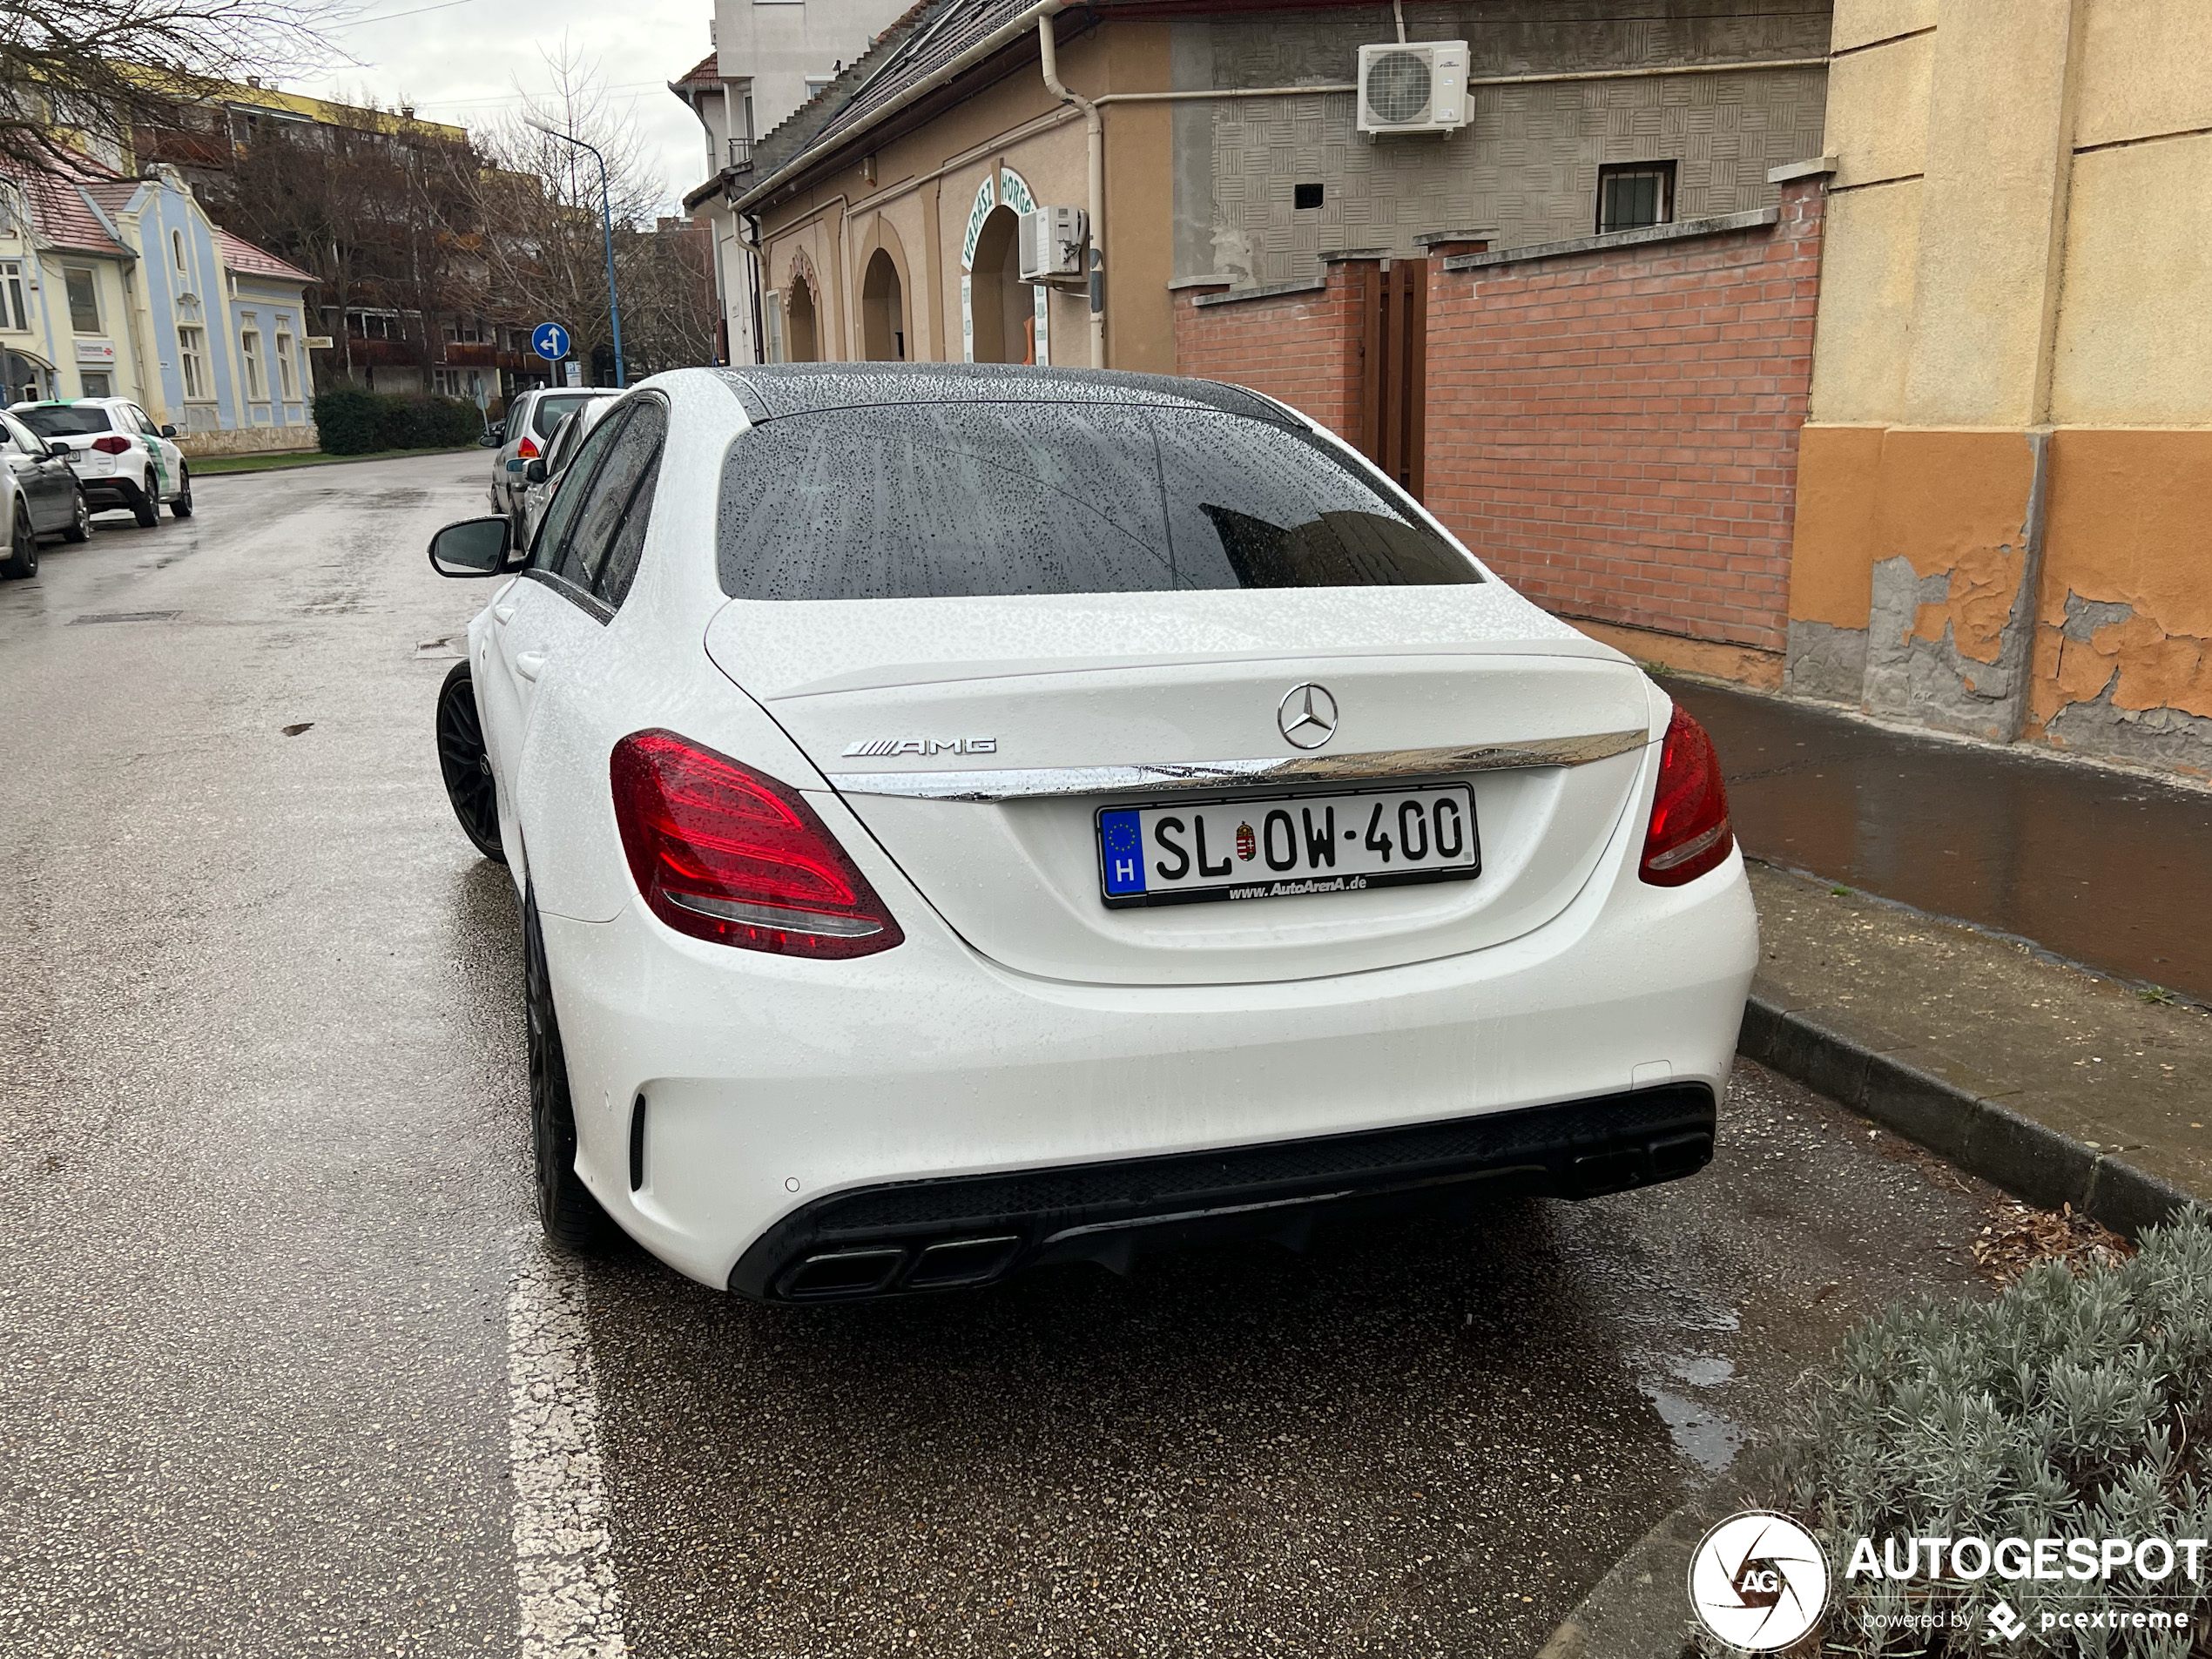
{"points": [[972, 818]]}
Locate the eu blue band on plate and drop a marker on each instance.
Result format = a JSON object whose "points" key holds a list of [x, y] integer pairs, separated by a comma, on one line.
{"points": [[1120, 845]]}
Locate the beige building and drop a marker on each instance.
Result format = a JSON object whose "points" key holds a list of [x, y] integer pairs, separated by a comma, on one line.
{"points": [[1228, 151], [1999, 524]]}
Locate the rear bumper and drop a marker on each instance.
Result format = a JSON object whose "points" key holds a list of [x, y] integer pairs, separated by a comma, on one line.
{"points": [[967, 1231], [775, 1085]]}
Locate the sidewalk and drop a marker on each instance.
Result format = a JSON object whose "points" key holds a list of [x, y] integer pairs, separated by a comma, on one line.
{"points": [[2061, 1085]]}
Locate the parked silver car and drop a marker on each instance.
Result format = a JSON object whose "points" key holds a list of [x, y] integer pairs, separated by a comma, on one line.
{"points": [[542, 476], [39, 494], [531, 421]]}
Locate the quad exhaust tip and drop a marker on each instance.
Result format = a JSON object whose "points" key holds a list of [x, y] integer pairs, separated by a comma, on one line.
{"points": [[946, 1264]]}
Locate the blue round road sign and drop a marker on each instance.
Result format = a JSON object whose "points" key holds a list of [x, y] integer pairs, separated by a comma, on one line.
{"points": [[550, 341]]}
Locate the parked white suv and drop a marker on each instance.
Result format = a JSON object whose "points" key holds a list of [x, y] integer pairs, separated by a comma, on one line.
{"points": [[119, 455]]}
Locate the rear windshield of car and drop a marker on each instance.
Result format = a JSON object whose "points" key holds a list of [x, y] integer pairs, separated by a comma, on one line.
{"points": [[976, 499], [62, 422], [547, 414]]}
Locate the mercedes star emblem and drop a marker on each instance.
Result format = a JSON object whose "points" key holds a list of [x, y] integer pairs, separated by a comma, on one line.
{"points": [[1308, 716]]}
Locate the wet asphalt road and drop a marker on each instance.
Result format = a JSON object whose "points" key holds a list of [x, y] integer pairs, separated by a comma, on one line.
{"points": [[2102, 866], [263, 1201]]}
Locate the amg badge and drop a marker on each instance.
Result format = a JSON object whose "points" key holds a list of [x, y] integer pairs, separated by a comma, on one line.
{"points": [[923, 746]]}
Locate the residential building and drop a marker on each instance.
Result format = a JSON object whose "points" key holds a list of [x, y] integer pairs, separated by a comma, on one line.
{"points": [[1858, 352], [117, 286], [770, 58], [365, 199]]}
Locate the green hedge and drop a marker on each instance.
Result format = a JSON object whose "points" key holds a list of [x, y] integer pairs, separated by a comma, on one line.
{"points": [[355, 423]]}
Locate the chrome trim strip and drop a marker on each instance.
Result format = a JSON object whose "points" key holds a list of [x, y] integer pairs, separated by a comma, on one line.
{"points": [[1044, 782]]}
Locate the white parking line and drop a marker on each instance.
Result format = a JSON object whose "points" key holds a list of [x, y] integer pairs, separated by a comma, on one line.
{"points": [[572, 1600]]}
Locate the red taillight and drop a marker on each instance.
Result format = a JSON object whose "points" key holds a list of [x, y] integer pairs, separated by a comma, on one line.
{"points": [[722, 853], [113, 445], [527, 451], [1688, 833]]}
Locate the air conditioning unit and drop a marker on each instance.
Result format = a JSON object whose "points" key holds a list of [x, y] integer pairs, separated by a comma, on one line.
{"points": [[1413, 87], [1052, 243]]}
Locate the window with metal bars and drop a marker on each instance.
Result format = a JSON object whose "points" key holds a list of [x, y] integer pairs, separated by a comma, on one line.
{"points": [[1634, 194]]}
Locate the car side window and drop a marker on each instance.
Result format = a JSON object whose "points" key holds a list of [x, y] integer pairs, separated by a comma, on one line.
{"points": [[647, 431], [21, 438], [605, 509], [140, 419], [564, 445], [556, 530]]}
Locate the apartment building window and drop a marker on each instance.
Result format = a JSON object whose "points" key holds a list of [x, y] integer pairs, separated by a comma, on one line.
{"points": [[191, 359], [1635, 194], [95, 383], [257, 372], [176, 252], [288, 376], [816, 83], [12, 314], [83, 299]]}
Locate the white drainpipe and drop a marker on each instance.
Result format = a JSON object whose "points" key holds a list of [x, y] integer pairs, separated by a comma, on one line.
{"points": [[1094, 148]]}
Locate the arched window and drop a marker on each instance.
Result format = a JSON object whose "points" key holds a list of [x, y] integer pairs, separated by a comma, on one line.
{"points": [[883, 311], [1004, 306], [802, 338]]}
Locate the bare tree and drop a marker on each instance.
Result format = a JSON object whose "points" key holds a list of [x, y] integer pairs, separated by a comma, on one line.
{"points": [[539, 207], [379, 211], [98, 68]]}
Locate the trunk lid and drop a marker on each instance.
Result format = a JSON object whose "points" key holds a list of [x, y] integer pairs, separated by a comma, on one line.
{"points": [[1043, 709]]}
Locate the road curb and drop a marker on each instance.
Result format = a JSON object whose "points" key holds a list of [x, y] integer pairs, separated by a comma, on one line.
{"points": [[1976, 1130], [1640, 1610]]}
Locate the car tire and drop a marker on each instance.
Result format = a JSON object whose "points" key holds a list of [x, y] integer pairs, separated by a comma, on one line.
{"points": [[182, 508], [467, 767], [145, 506], [22, 546], [566, 1210], [79, 528]]}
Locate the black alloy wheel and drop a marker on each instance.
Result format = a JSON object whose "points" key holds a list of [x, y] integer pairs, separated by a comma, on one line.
{"points": [[79, 528], [182, 508], [466, 766], [146, 502], [22, 546], [566, 1210]]}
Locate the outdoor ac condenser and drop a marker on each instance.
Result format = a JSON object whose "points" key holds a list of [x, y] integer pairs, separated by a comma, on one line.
{"points": [[1052, 243], [1413, 87]]}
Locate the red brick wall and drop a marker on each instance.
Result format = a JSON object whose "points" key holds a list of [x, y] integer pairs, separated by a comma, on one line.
{"points": [[1303, 348], [1616, 431]]}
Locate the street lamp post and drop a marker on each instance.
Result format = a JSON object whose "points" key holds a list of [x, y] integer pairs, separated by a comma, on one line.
{"points": [[607, 225]]}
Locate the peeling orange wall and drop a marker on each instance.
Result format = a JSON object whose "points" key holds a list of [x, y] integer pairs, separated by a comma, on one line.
{"points": [[1954, 501], [1831, 553], [1958, 502], [2126, 525]]}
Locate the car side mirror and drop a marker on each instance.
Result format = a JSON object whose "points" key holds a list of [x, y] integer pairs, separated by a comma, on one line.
{"points": [[473, 547], [169, 432], [533, 473]]}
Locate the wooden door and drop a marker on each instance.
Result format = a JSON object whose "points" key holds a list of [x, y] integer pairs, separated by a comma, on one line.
{"points": [[1393, 390]]}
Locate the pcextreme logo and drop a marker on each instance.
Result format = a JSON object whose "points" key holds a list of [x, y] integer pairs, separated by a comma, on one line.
{"points": [[1758, 1581]]}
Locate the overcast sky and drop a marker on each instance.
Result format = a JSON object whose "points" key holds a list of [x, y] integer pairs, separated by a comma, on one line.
{"points": [[464, 61]]}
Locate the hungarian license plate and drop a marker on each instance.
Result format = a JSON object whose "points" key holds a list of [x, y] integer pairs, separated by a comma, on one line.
{"points": [[1282, 846]]}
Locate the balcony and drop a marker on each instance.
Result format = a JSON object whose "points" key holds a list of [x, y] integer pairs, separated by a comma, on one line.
{"points": [[378, 354], [460, 354], [740, 155]]}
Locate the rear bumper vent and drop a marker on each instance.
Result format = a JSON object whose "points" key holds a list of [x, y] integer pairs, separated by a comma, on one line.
{"points": [[969, 1231]]}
